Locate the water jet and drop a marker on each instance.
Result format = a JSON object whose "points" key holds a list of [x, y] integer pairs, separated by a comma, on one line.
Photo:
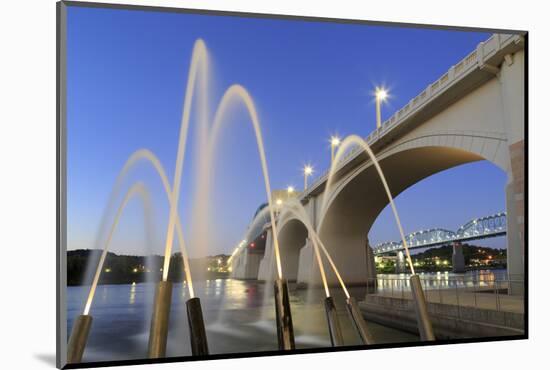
{"points": [[423, 318]]}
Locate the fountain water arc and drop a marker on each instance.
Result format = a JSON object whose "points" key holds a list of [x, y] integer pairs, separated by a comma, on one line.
{"points": [[301, 213], [199, 60], [150, 157], [239, 92], [422, 316], [295, 208], [285, 331], [137, 188], [143, 154], [349, 141]]}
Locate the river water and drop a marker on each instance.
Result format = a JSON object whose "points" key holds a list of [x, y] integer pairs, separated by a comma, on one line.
{"points": [[239, 318]]}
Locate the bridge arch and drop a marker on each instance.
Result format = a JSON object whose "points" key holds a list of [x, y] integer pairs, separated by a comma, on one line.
{"points": [[293, 236], [356, 200]]}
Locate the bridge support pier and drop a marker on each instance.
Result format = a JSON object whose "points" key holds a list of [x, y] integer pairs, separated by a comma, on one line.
{"points": [[400, 266], [512, 85], [266, 264], [514, 258], [306, 264], [371, 270], [458, 258]]}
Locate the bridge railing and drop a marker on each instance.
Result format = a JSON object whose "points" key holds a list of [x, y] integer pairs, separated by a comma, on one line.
{"points": [[475, 59], [483, 291]]}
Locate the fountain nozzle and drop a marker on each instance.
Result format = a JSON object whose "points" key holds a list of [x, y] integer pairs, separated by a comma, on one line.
{"points": [[158, 334], [78, 338], [197, 332], [334, 329], [422, 316], [358, 321], [285, 330]]}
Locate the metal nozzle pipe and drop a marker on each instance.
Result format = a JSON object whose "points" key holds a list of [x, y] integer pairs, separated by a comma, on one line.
{"points": [[78, 338], [422, 316], [158, 334], [285, 330], [334, 329], [197, 332], [358, 321]]}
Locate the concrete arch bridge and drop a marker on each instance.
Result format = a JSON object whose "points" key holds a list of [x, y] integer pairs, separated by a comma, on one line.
{"points": [[475, 111]]}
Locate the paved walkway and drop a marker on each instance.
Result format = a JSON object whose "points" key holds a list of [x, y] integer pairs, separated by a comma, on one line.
{"points": [[468, 297]]}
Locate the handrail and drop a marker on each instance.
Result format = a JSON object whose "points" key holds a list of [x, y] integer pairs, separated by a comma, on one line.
{"points": [[482, 291]]}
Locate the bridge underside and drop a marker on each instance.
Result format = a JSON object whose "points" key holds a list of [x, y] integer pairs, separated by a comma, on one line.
{"points": [[292, 238], [352, 212]]}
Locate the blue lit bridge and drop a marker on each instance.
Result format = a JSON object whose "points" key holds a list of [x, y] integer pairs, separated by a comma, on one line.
{"points": [[479, 228]]}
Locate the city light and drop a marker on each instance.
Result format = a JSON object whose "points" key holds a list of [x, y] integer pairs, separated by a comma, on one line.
{"points": [[290, 189], [279, 202], [381, 94], [308, 170]]}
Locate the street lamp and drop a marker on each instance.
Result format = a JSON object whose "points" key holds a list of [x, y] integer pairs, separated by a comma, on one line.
{"points": [[381, 95], [308, 170], [334, 142], [290, 190]]}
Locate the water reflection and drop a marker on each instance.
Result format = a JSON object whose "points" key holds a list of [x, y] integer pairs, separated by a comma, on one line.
{"points": [[133, 293], [237, 316], [440, 280]]}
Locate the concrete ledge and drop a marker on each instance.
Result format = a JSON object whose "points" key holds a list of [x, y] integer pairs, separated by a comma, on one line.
{"points": [[449, 321]]}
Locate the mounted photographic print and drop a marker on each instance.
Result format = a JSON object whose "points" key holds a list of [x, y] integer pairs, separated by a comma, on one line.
{"points": [[237, 185]]}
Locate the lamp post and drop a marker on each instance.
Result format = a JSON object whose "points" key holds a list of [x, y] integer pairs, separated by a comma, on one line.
{"points": [[380, 95], [334, 142], [308, 170]]}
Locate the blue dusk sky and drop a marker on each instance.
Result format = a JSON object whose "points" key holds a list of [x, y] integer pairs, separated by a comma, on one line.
{"points": [[127, 72]]}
